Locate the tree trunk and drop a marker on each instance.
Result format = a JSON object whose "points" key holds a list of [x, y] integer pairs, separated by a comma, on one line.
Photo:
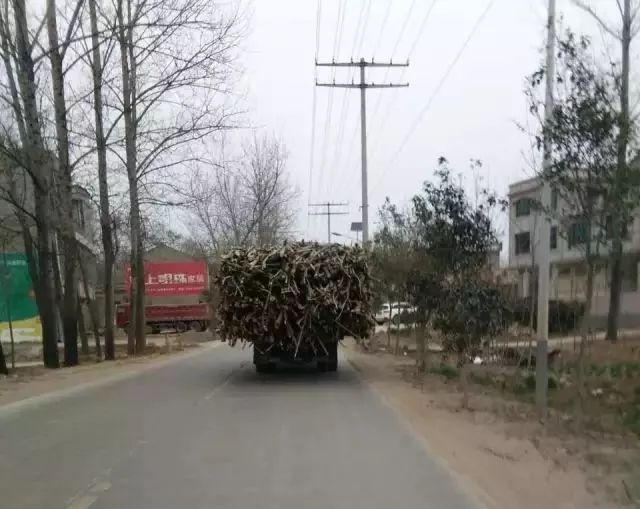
{"points": [[64, 191], [423, 320], [40, 170], [137, 323], [91, 306], [47, 308], [585, 329], [620, 183], [3, 362], [103, 185], [136, 334], [84, 340]]}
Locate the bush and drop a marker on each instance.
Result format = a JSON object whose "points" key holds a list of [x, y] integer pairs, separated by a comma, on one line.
{"points": [[447, 371], [528, 384], [564, 316]]}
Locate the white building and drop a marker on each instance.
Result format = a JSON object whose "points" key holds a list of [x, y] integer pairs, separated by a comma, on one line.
{"points": [[568, 273]]}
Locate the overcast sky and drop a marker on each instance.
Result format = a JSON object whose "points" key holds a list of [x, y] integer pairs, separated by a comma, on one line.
{"points": [[474, 115]]}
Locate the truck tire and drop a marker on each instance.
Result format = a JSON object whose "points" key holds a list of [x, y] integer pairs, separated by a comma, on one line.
{"points": [[263, 368], [196, 326], [262, 362], [181, 327], [332, 361]]}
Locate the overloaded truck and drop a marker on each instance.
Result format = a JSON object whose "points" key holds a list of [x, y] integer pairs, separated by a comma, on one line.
{"points": [[295, 302]]}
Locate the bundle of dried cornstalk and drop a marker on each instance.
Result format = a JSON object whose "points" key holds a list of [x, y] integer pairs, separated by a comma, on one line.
{"points": [[295, 295]]}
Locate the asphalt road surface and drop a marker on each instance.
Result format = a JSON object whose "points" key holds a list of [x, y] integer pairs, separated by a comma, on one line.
{"points": [[206, 431]]}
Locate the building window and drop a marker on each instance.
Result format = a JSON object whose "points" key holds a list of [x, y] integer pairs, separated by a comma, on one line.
{"points": [[577, 234], [523, 207], [554, 199], [553, 241], [522, 243]]}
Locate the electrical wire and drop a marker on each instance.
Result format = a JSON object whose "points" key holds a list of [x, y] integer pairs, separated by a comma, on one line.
{"points": [[439, 86], [382, 27], [405, 23], [323, 157], [395, 48], [364, 28], [394, 97], [313, 109], [361, 30]]}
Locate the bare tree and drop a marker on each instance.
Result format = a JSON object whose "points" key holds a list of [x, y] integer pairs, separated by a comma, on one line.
{"points": [[250, 202], [583, 136], [175, 62], [30, 155], [107, 234], [56, 53]]}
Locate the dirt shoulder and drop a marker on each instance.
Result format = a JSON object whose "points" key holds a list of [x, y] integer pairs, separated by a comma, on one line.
{"points": [[32, 381], [498, 448]]}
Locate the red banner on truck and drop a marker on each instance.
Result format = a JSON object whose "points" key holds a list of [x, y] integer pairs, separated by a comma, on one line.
{"points": [[171, 278]]}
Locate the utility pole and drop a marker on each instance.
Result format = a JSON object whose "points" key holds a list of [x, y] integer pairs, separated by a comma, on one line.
{"points": [[542, 374], [363, 86], [328, 213]]}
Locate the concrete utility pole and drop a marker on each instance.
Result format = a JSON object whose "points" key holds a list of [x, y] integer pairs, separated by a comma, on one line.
{"points": [[542, 374], [328, 213], [363, 86]]}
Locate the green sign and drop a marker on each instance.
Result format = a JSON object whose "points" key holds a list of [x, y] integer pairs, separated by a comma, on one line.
{"points": [[17, 298]]}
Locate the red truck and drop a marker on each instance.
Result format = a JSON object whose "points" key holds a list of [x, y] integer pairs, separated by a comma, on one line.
{"points": [[180, 317]]}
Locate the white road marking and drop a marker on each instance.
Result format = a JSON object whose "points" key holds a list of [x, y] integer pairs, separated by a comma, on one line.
{"points": [[83, 502], [86, 497], [224, 382]]}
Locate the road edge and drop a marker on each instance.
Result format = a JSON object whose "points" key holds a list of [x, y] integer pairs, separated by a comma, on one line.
{"points": [[55, 395], [467, 485]]}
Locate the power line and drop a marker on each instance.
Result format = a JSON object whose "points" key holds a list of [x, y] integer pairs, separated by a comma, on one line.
{"points": [[416, 40], [363, 86], [336, 45], [395, 48], [318, 15], [382, 27], [313, 142], [328, 213], [314, 108], [426, 108], [386, 76], [330, 99], [364, 28], [423, 25]]}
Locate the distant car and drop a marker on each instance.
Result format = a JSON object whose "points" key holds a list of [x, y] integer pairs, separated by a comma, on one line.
{"points": [[395, 311]]}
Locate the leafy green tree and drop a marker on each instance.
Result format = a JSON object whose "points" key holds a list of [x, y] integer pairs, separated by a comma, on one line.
{"points": [[582, 137], [444, 241]]}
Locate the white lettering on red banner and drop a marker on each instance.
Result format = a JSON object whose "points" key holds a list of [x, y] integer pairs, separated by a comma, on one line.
{"points": [[172, 278]]}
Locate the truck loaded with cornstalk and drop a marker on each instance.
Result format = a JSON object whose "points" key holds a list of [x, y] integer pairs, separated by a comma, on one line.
{"points": [[294, 302]]}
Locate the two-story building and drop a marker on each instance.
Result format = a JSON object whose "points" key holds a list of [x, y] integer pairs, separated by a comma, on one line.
{"points": [[567, 238]]}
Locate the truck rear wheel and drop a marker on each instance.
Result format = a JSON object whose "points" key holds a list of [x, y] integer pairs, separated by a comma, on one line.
{"points": [[332, 361], [262, 361], [263, 368]]}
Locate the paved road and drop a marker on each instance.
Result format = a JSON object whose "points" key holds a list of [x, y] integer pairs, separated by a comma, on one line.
{"points": [[207, 432]]}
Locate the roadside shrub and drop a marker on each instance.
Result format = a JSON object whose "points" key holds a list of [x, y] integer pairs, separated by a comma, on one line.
{"points": [[564, 316], [528, 384], [447, 371]]}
